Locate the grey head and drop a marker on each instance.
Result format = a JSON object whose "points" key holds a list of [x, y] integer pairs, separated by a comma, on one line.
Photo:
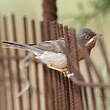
{"points": [[87, 36]]}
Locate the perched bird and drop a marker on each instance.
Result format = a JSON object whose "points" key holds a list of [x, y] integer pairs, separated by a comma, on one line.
{"points": [[52, 53]]}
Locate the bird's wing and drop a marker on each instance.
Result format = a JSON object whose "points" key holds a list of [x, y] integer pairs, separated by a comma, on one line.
{"points": [[57, 46]]}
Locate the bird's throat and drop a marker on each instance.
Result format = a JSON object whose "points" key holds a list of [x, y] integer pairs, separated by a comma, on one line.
{"points": [[81, 51]]}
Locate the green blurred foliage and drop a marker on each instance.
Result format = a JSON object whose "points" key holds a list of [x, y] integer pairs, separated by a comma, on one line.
{"points": [[101, 6], [97, 8]]}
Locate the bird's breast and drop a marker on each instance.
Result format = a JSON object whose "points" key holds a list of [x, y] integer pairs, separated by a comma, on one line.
{"points": [[57, 60]]}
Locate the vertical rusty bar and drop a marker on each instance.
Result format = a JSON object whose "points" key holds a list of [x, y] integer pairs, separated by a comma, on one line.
{"points": [[17, 60], [93, 99], [62, 78], [62, 100], [57, 31], [77, 98], [50, 89], [35, 63], [3, 76], [49, 37], [58, 92], [59, 95], [9, 62], [61, 34], [71, 45], [103, 99], [42, 30], [53, 89], [81, 94], [85, 98], [55, 74], [73, 66], [63, 97], [0, 100], [101, 81], [49, 10], [26, 40], [66, 86], [71, 95], [92, 89], [45, 86], [46, 27], [47, 72], [53, 30], [64, 105], [102, 48], [3, 98]]}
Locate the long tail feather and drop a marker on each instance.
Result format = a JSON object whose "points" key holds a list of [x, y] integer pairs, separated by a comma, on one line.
{"points": [[16, 45]]}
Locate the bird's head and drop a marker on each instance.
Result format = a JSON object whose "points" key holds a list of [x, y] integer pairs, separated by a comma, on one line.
{"points": [[88, 37]]}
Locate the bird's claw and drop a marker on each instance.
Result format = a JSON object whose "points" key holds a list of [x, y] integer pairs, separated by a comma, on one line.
{"points": [[64, 72]]}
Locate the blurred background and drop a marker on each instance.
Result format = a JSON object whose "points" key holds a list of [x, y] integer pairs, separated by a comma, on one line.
{"points": [[94, 14]]}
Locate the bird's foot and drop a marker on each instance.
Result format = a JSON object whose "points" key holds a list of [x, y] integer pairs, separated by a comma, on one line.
{"points": [[63, 71]]}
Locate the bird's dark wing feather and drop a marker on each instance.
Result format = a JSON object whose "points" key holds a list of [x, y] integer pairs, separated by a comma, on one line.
{"points": [[57, 46]]}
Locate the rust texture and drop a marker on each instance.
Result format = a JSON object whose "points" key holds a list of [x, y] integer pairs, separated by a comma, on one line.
{"points": [[35, 64], [61, 93], [9, 63], [7, 82], [49, 10], [3, 88], [26, 41], [47, 72], [73, 66], [17, 60]]}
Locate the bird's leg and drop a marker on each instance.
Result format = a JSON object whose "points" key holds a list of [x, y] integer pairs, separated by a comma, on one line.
{"points": [[23, 64], [63, 71]]}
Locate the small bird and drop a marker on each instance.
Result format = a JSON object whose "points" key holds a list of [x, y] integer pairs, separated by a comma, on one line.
{"points": [[52, 53]]}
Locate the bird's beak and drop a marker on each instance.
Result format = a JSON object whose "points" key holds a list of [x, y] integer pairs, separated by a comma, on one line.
{"points": [[93, 40], [98, 35]]}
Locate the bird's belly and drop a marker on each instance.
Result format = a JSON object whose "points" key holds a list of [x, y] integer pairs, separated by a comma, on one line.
{"points": [[57, 60]]}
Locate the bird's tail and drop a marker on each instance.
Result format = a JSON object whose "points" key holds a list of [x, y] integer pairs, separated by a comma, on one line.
{"points": [[8, 44]]}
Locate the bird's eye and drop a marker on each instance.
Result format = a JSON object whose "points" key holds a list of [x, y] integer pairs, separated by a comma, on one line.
{"points": [[87, 37]]}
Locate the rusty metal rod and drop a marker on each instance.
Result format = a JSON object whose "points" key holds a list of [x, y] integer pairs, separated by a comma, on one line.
{"points": [[9, 61], [26, 41], [102, 48], [13, 19], [3, 77], [33, 28]]}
